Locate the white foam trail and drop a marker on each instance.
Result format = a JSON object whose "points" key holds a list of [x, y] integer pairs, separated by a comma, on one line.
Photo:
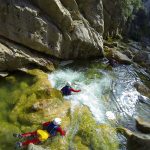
{"points": [[91, 91], [121, 95]]}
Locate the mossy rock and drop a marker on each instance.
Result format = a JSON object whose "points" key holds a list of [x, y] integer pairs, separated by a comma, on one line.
{"points": [[93, 73], [85, 132], [18, 93], [82, 130], [6, 135]]}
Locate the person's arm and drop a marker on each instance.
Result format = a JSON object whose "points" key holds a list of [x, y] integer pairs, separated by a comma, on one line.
{"points": [[62, 132], [46, 123], [73, 90]]}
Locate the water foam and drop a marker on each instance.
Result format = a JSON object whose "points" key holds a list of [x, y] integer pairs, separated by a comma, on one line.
{"points": [[91, 93]]}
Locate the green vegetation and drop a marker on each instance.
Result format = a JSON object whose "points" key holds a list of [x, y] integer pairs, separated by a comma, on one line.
{"points": [[128, 6]]}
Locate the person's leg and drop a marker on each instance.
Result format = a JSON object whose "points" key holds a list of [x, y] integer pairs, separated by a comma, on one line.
{"points": [[29, 134], [34, 141], [25, 134], [26, 143]]}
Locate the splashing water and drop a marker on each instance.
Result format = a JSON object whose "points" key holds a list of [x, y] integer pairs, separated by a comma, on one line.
{"points": [[91, 90], [110, 96]]}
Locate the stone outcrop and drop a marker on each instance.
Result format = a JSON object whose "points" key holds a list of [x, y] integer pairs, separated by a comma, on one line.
{"points": [[143, 57], [13, 56], [112, 53], [142, 125], [60, 28], [136, 141], [111, 20], [116, 15], [139, 27], [143, 89]]}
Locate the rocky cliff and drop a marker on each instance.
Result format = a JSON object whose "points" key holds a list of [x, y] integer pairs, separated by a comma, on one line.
{"points": [[58, 28], [116, 15], [139, 28]]}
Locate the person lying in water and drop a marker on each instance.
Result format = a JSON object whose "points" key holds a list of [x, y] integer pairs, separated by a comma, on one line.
{"points": [[50, 129], [67, 89]]}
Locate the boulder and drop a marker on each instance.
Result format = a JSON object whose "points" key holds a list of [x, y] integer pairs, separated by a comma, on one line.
{"points": [[143, 58], [112, 53], [142, 125], [136, 141], [143, 89]]}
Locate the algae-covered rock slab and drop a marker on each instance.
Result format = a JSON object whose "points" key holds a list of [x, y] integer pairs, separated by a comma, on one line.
{"points": [[87, 133], [82, 130]]}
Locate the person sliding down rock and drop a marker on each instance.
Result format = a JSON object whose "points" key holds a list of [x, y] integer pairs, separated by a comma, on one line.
{"points": [[67, 89], [50, 129]]}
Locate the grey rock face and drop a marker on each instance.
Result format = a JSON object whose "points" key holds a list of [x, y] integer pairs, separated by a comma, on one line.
{"points": [[112, 16], [64, 29], [13, 56]]}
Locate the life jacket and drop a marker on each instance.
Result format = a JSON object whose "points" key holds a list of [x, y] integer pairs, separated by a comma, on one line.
{"points": [[52, 129], [43, 135], [66, 90]]}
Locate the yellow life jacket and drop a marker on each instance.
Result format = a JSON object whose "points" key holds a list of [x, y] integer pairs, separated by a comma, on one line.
{"points": [[42, 135]]}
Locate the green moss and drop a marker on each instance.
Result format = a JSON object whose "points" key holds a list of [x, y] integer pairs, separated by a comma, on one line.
{"points": [[18, 93], [85, 132], [82, 130], [6, 139], [93, 73]]}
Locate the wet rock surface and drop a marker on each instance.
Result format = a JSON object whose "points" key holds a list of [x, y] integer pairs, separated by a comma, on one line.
{"points": [[137, 141], [143, 89], [142, 125]]}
